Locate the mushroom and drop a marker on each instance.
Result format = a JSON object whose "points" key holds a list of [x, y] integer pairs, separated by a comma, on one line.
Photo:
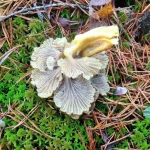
{"points": [[2, 123], [103, 58], [74, 67], [99, 46], [74, 72], [74, 96], [46, 82], [93, 41], [87, 44], [50, 48], [99, 82], [51, 62]]}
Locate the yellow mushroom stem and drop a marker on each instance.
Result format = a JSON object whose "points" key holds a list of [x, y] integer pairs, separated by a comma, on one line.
{"points": [[88, 39], [99, 46]]}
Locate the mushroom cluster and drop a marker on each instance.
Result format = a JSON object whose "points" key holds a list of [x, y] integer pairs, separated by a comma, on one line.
{"points": [[73, 73]]}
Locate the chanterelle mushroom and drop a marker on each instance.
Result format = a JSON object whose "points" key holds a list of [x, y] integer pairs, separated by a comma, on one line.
{"points": [[74, 72]]}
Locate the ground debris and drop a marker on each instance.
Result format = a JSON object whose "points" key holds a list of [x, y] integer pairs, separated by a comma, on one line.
{"points": [[144, 24]]}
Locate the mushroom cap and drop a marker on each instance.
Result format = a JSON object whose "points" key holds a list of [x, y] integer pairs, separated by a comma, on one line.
{"points": [[74, 96], [60, 43], [87, 66], [46, 82], [51, 62], [99, 82], [120, 91], [96, 40], [50, 47], [75, 116], [91, 108], [2, 123], [98, 46], [103, 59]]}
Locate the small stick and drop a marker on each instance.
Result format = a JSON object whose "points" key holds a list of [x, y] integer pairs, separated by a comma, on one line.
{"points": [[41, 7], [104, 146]]}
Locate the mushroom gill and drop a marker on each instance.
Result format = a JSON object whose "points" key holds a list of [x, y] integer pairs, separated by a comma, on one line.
{"points": [[46, 82], [50, 48], [87, 66], [74, 96]]}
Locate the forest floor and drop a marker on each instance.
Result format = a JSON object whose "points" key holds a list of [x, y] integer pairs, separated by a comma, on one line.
{"points": [[118, 121]]}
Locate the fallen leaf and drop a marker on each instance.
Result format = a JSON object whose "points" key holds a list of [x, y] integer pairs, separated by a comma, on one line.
{"points": [[106, 11], [95, 16], [93, 23], [65, 22], [99, 2], [92, 14], [94, 19], [120, 91]]}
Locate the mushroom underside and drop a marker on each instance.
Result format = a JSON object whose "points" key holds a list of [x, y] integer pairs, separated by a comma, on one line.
{"points": [[74, 96]]}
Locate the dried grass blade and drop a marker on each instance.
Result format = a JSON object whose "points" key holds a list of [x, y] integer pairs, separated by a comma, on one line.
{"points": [[35, 126], [28, 115], [25, 75], [5, 56], [2, 41]]}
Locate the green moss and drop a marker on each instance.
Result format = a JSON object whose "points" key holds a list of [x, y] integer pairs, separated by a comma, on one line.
{"points": [[51, 122], [122, 16], [126, 44], [141, 135], [148, 65]]}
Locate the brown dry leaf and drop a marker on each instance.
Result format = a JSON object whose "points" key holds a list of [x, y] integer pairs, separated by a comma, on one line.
{"points": [[2, 41], [95, 16], [65, 22], [99, 2], [106, 11]]}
